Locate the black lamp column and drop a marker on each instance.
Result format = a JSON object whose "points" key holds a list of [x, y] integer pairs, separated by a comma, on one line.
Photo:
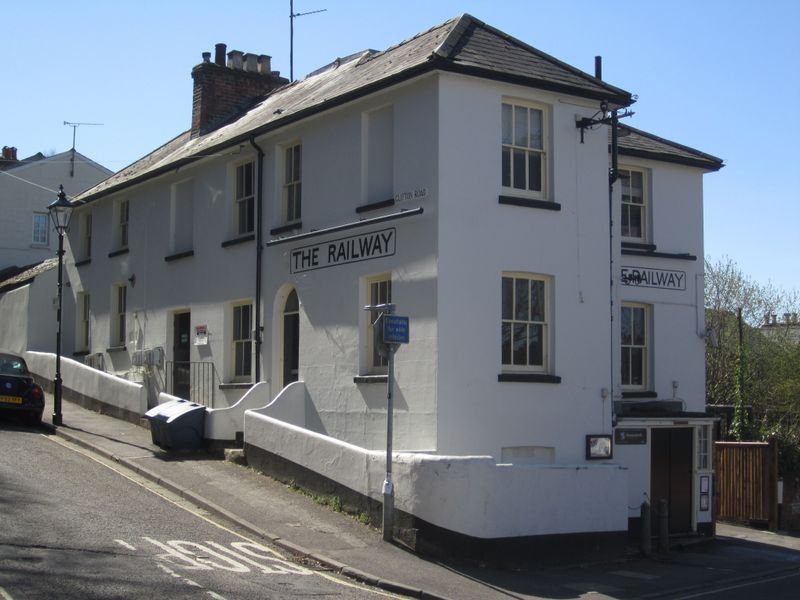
{"points": [[60, 212]]}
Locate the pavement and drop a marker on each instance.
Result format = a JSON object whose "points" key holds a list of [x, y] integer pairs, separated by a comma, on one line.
{"points": [[306, 529]]}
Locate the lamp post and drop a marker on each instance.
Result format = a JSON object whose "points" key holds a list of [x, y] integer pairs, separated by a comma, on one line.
{"points": [[60, 212]]}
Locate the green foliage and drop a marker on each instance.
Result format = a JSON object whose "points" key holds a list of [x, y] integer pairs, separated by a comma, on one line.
{"points": [[754, 366]]}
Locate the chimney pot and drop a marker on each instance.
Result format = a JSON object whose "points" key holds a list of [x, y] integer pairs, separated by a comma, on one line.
{"points": [[219, 54], [235, 59], [206, 57], [250, 63], [265, 64]]}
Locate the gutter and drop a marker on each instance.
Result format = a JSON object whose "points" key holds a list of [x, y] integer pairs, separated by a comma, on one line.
{"points": [[259, 253]]}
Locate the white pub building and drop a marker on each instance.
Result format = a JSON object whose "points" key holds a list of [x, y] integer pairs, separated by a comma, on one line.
{"points": [[554, 375]]}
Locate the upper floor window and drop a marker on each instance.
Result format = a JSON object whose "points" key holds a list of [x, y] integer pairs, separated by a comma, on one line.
{"points": [[635, 346], [244, 198], [524, 149], [86, 235], [634, 204], [378, 155], [292, 186], [122, 215], [41, 229], [182, 217], [524, 329]]}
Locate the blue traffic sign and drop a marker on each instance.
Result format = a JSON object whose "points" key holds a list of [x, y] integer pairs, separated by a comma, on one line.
{"points": [[395, 329]]}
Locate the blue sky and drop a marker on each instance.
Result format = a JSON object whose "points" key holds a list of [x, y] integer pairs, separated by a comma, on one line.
{"points": [[721, 76]]}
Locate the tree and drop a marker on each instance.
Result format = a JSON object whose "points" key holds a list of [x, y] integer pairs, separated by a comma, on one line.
{"points": [[752, 359]]}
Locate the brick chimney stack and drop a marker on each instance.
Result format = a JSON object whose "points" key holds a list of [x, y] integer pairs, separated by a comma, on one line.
{"points": [[221, 90], [9, 153]]}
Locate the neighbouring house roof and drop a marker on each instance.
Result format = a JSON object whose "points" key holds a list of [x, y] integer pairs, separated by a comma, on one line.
{"points": [[635, 142], [25, 275], [6, 164], [461, 45]]}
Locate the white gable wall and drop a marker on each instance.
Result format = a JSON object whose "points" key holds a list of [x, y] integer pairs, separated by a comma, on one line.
{"points": [[480, 239], [29, 189]]}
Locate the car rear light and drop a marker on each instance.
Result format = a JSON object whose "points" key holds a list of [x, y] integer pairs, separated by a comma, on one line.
{"points": [[36, 392]]}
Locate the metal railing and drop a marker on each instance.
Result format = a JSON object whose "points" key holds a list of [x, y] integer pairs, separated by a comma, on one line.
{"points": [[197, 380]]}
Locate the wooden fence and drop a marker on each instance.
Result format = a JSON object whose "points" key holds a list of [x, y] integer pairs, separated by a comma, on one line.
{"points": [[747, 482]]}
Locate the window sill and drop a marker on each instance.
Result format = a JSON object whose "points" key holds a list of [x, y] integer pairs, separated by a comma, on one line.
{"points": [[641, 394], [639, 246], [83, 262], [117, 349], [528, 378], [179, 255], [371, 379], [236, 386], [375, 205], [286, 228], [81, 353], [529, 203], [119, 252], [239, 240], [675, 255]]}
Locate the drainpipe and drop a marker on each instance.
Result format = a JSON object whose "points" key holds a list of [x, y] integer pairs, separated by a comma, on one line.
{"points": [[613, 175], [259, 252]]}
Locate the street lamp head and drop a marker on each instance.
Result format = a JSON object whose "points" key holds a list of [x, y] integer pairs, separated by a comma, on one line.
{"points": [[60, 211]]}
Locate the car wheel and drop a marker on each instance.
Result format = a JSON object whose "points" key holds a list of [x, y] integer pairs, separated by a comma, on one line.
{"points": [[33, 419]]}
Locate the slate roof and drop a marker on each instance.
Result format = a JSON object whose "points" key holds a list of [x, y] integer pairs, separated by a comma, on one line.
{"points": [[635, 142], [27, 275], [463, 44]]}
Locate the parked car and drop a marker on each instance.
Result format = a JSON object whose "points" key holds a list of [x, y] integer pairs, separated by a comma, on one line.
{"points": [[19, 393]]}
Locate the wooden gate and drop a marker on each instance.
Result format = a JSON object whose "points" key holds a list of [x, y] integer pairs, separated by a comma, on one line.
{"points": [[747, 482]]}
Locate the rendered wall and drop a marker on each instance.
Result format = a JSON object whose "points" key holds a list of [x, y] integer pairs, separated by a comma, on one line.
{"points": [[468, 494], [14, 309], [91, 383], [333, 345], [479, 239]]}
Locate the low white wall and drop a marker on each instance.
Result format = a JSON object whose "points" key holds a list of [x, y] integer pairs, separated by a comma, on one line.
{"points": [[468, 494], [288, 406], [14, 311], [91, 383]]}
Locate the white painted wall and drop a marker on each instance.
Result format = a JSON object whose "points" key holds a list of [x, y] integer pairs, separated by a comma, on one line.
{"points": [[480, 239], [90, 382], [29, 313], [14, 309], [468, 494], [332, 323]]}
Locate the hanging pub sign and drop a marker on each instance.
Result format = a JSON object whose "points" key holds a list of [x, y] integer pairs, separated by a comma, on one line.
{"points": [[355, 248], [665, 279]]}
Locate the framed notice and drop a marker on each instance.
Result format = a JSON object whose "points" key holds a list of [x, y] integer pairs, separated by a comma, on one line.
{"points": [[598, 447]]}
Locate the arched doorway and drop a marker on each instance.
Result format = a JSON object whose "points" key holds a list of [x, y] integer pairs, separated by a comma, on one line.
{"points": [[291, 338]]}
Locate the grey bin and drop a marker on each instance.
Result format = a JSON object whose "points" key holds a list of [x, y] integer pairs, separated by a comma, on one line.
{"points": [[177, 424]]}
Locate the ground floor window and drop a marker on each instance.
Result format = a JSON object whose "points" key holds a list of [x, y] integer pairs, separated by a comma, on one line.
{"points": [[524, 327], [379, 291], [83, 338], [119, 326], [242, 343]]}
